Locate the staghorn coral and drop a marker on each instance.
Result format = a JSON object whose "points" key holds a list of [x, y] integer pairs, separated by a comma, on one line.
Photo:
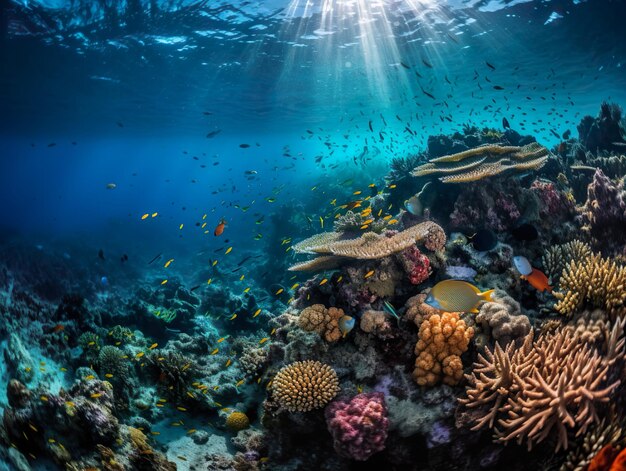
{"points": [[358, 425], [237, 421], [442, 340], [371, 246], [503, 320], [484, 161], [557, 384], [557, 257], [305, 385], [324, 321], [596, 281]]}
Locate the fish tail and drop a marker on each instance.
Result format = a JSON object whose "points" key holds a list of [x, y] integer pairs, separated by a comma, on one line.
{"points": [[487, 295]]}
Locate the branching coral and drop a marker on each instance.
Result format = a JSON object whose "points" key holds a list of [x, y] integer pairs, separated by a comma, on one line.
{"points": [[324, 321], [113, 365], [556, 384], [442, 340], [371, 246], [359, 425], [305, 385], [353, 222], [596, 281], [557, 257], [484, 161]]}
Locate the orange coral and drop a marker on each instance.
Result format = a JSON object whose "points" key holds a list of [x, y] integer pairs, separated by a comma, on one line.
{"points": [[602, 461], [324, 321], [442, 340], [619, 464]]}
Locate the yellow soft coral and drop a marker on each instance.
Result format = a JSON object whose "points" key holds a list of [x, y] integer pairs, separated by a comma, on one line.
{"points": [[442, 340], [305, 385], [324, 321], [596, 281]]}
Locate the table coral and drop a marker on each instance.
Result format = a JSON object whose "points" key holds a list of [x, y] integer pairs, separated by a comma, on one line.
{"points": [[370, 246], [358, 425], [442, 340], [305, 385], [324, 321]]}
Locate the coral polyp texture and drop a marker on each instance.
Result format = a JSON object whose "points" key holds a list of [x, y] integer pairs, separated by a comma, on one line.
{"points": [[237, 421], [484, 161], [303, 386], [358, 425], [324, 321], [443, 338]]}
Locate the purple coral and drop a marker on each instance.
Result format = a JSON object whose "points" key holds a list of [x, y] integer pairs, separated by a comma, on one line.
{"points": [[554, 203], [358, 425]]}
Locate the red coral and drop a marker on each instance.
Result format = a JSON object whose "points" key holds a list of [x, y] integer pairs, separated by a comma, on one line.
{"points": [[416, 265], [602, 461]]}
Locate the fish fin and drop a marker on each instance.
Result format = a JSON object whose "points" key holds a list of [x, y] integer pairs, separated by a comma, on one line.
{"points": [[487, 295], [474, 310]]}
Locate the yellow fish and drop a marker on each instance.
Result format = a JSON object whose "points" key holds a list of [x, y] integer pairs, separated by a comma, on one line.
{"points": [[228, 363], [108, 375], [239, 383], [246, 290], [263, 340], [258, 311], [153, 346], [324, 281], [456, 296], [96, 395], [181, 226], [233, 317], [220, 340], [140, 354], [279, 291], [228, 250], [358, 192], [215, 351], [295, 285], [163, 282], [154, 215], [168, 263], [391, 187], [145, 216], [322, 222], [369, 273]]}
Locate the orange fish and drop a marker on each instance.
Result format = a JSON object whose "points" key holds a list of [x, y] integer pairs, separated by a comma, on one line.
{"points": [[58, 328], [538, 280], [220, 228]]}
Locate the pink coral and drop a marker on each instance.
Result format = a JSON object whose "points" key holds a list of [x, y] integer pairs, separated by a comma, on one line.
{"points": [[416, 265], [359, 425], [553, 201]]}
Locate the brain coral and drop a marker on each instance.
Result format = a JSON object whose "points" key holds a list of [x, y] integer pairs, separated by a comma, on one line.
{"points": [[318, 318], [442, 340], [305, 385], [237, 421]]}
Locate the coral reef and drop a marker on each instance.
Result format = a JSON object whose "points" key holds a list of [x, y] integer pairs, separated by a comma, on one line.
{"points": [[558, 257], [237, 421], [442, 340], [358, 425], [305, 385], [605, 131]]}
